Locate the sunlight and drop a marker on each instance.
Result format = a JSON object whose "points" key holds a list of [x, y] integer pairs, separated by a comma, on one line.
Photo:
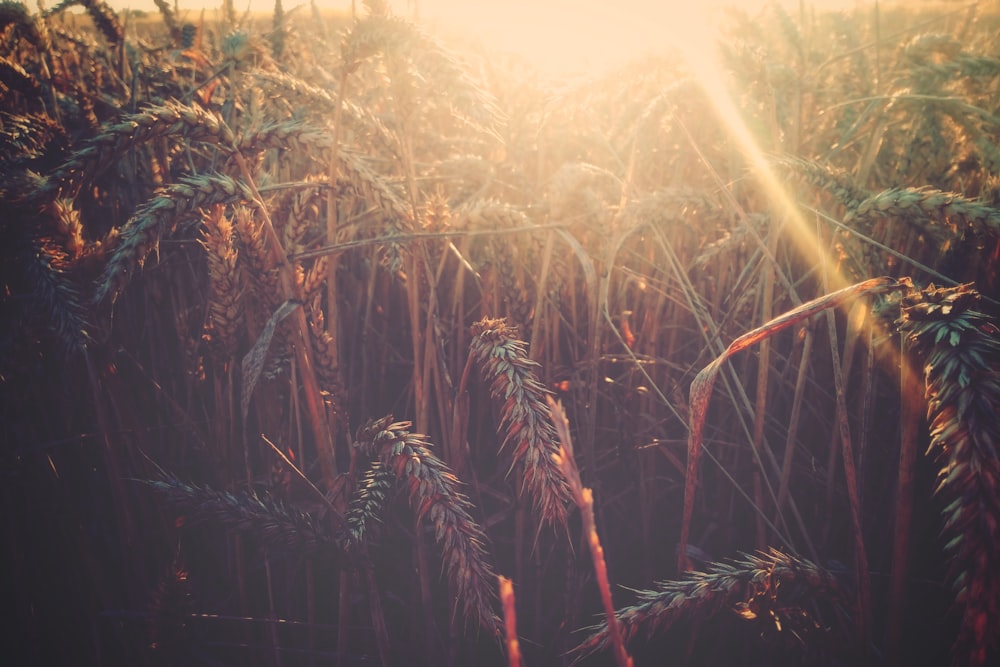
{"points": [[562, 38], [567, 39], [706, 69]]}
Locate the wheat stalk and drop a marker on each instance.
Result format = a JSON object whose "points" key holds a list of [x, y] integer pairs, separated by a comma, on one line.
{"points": [[511, 641], [960, 347], [157, 219], [434, 495], [525, 417], [771, 586], [584, 499]]}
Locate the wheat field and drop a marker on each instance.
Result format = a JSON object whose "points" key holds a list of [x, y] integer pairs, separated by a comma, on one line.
{"points": [[326, 340]]}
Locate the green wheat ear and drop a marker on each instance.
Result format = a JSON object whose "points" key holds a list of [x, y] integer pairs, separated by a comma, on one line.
{"points": [[960, 347], [257, 515]]}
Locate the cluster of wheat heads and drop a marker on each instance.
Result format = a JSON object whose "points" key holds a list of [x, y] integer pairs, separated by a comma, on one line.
{"points": [[215, 226]]}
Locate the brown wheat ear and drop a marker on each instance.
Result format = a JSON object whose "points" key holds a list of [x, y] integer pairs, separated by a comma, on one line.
{"points": [[434, 494], [525, 417]]}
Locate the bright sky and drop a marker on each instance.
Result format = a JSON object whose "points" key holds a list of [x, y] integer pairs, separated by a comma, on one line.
{"points": [[560, 36]]}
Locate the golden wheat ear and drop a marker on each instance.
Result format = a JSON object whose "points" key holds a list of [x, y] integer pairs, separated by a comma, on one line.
{"points": [[434, 495], [226, 280], [960, 348]]}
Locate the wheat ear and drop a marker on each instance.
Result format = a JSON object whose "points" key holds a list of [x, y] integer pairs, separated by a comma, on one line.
{"points": [[929, 203], [157, 219], [105, 20], [960, 347], [826, 177], [169, 20], [16, 14], [434, 495], [368, 503], [172, 119], [13, 77], [226, 279], [50, 276], [525, 417], [256, 515], [754, 586]]}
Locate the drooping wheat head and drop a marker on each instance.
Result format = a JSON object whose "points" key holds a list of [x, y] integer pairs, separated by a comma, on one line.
{"points": [[171, 119], [266, 520], [525, 418], [169, 20], [434, 495], [772, 588], [157, 219]]}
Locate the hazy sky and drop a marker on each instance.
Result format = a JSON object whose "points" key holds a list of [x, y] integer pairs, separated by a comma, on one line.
{"points": [[562, 36]]}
